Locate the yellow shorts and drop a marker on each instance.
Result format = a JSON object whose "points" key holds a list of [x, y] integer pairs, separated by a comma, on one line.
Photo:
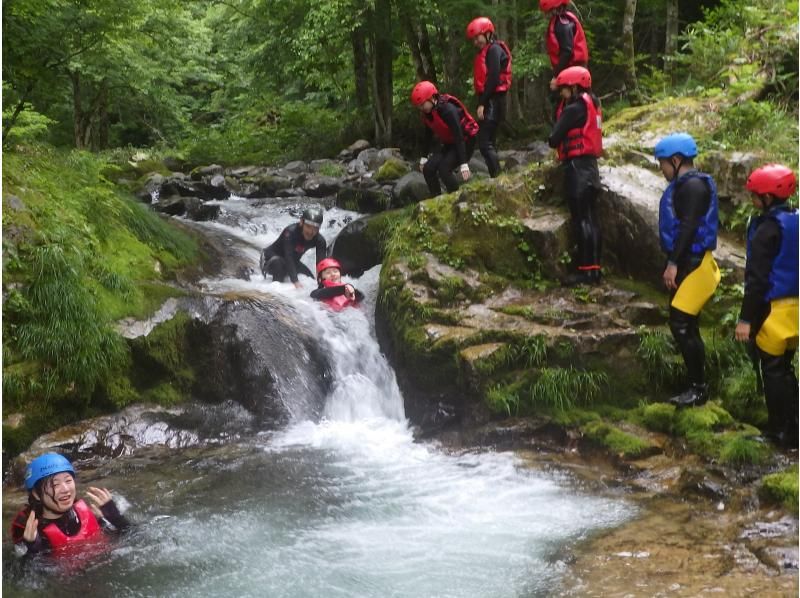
{"points": [[698, 287], [779, 331]]}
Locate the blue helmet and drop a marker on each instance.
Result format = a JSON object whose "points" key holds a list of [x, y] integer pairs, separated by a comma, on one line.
{"points": [[677, 143], [46, 465]]}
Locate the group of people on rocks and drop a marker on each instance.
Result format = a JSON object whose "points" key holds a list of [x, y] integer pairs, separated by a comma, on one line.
{"points": [[56, 520]]}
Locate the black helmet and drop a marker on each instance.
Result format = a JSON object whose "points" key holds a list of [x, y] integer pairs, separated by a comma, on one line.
{"points": [[312, 216]]}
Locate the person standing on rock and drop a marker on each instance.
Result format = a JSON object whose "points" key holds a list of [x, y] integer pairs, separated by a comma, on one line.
{"points": [[687, 223], [769, 313], [450, 122], [565, 41], [282, 258], [491, 72], [577, 136]]}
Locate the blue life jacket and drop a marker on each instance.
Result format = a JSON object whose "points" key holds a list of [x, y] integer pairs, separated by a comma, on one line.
{"points": [[784, 280], [705, 237]]}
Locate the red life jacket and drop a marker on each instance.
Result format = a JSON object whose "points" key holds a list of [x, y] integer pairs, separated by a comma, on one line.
{"points": [[580, 50], [89, 528], [587, 141], [468, 124], [479, 70], [339, 302]]}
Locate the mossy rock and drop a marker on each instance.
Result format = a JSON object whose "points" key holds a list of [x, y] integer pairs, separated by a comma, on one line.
{"points": [[709, 417], [391, 170], [781, 488], [616, 441], [741, 449], [658, 417]]}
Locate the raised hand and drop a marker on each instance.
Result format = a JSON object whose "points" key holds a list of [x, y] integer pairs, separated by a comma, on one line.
{"points": [[98, 496], [31, 528]]}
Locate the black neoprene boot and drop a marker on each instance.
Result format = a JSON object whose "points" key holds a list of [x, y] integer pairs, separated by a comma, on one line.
{"points": [[696, 395]]}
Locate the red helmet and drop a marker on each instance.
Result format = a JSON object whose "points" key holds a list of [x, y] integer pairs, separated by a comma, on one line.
{"points": [[478, 26], [546, 5], [775, 179], [424, 90], [328, 262], [574, 75]]}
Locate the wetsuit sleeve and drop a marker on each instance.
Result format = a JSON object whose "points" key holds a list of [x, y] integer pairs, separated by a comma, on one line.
{"points": [[494, 60], [114, 517], [288, 253], [452, 118], [764, 249], [359, 296], [322, 248], [327, 292], [565, 35], [692, 200], [429, 141], [572, 117]]}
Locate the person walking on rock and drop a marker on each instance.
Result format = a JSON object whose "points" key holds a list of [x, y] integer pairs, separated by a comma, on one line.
{"points": [[446, 118], [492, 79], [565, 41], [687, 223], [577, 136], [769, 314]]}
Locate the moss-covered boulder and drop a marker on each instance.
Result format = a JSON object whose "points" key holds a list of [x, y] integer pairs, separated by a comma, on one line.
{"points": [[391, 170]]}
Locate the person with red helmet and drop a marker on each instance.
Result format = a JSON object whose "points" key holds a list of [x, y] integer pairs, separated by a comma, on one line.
{"points": [[769, 313], [332, 291], [447, 119], [565, 39], [577, 137], [492, 79], [55, 519]]}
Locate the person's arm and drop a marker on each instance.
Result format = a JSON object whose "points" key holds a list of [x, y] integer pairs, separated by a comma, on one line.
{"points": [[114, 517], [287, 244], [494, 59], [359, 295], [564, 31], [452, 118], [691, 202], [764, 249], [327, 292], [321, 248], [572, 117]]}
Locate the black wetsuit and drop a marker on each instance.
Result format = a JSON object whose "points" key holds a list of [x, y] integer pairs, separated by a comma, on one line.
{"points": [[581, 185], [447, 156], [68, 523], [564, 30], [780, 380], [691, 200], [322, 293], [494, 107], [282, 258]]}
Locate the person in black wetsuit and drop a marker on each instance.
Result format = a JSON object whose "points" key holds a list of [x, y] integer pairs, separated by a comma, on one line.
{"points": [[54, 520], [282, 258], [769, 314], [445, 118], [577, 136], [492, 79], [687, 225]]}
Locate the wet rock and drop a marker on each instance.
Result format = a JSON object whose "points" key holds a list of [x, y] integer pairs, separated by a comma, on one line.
{"points": [[366, 201], [356, 167], [177, 205], [321, 186], [699, 483], [264, 185], [357, 251], [206, 171], [410, 188], [297, 167]]}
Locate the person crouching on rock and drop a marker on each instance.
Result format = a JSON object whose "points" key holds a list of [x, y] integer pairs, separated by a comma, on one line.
{"points": [[54, 520], [450, 122], [282, 258], [770, 305], [578, 138], [332, 290]]}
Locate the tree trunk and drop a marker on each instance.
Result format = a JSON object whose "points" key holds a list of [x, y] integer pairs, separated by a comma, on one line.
{"points": [[360, 66], [671, 38], [100, 116], [78, 120], [450, 41], [382, 70], [8, 124], [628, 49]]}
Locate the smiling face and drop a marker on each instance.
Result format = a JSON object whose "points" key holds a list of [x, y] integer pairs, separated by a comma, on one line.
{"points": [[332, 274], [57, 495]]}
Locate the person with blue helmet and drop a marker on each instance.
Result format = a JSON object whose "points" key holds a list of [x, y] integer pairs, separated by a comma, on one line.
{"points": [[687, 224], [769, 314], [54, 520]]}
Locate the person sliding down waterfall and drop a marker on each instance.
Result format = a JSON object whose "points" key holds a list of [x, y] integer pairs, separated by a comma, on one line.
{"points": [[282, 258], [332, 291], [687, 227]]}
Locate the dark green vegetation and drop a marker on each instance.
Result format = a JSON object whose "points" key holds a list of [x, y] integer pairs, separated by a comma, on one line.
{"points": [[78, 254]]}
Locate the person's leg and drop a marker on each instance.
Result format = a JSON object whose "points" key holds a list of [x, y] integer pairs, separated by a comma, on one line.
{"points": [[590, 234], [431, 173], [487, 134], [686, 332], [780, 394], [447, 164], [276, 267]]}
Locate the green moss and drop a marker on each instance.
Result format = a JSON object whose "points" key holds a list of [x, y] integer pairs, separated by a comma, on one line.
{"points": [[707, 418], [781, 488], [739, 449], [658, 417], [503, 400], [164, 394], [332, 170], [575, 417], [615, 440], [391, 170]]}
